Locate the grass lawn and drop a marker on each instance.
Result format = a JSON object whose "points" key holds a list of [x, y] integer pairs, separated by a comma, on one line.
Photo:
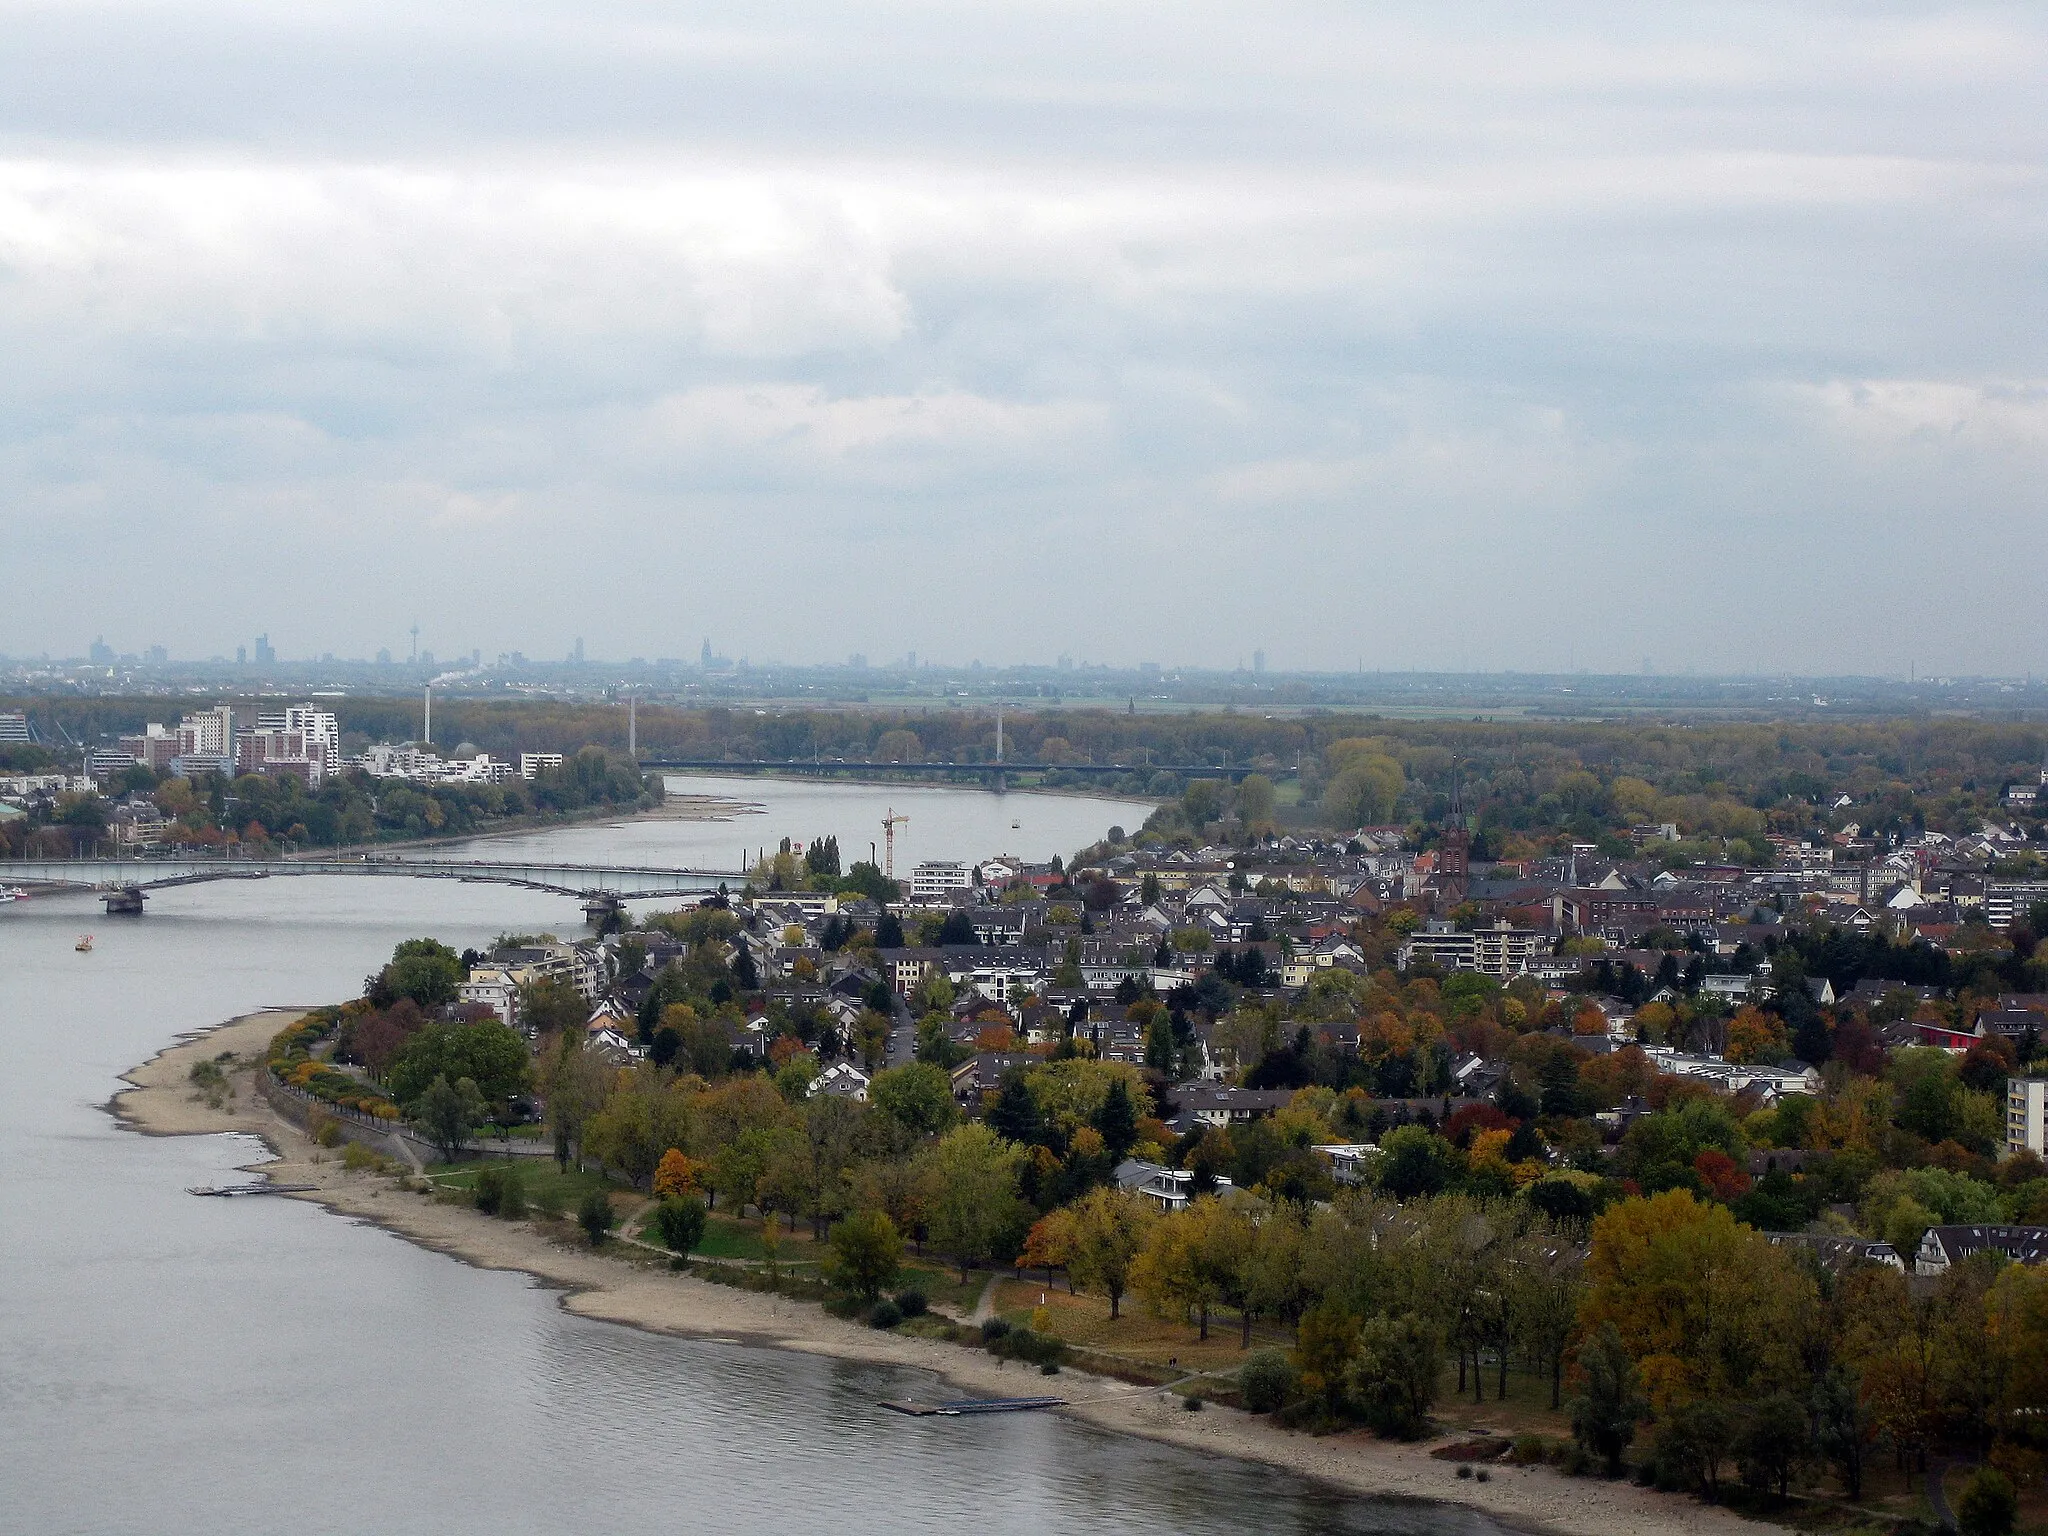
{"points": [[1083, 1321], [941, 1284], [542, 1177], [727, 1237], [1526, 1411]]}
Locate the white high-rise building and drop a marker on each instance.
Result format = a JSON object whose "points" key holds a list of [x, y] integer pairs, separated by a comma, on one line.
{"points": [[209, 733], [2026, 1115], [322, 732]]}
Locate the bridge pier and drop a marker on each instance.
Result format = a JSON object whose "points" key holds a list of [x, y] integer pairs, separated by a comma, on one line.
{"points": [[128, 900], [603, 909]]}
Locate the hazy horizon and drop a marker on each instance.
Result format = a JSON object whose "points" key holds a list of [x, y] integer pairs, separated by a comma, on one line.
{"points": [[1423, 339]]}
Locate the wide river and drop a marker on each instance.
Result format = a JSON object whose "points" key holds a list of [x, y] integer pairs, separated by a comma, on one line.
{"points": [[174, 1366]]}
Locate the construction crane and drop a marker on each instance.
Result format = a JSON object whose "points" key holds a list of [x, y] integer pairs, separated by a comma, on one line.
{"points": [[890, 823]]}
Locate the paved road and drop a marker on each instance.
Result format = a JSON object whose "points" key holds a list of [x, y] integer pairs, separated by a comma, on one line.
{"points": [[1937, 1495]]}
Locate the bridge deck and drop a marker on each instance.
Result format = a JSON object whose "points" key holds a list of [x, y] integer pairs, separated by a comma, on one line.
{"points": [[568, 879]]}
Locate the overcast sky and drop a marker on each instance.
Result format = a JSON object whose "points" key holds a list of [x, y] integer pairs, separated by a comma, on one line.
{"points": [[1453, 335]]}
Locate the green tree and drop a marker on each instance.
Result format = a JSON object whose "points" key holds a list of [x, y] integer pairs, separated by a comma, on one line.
{"points": [[1692, 1442], [680, 1219], [1393, 1376], [491, 1056], [976, 1214], [1545, 1282], [918, 1096], [1109, 1230], [425, 970], [1610, 1403], [1171, 1273], [577, 1082], [1160, 1049], [1843, 1426], [867, 1253], [1255, 799], [1363, 793], [1117, 1120], [1772, 1442], [1265, 1381], [1413, 1161], [1988, 1506], [550, 1006], [448, 1112], [1324, 1347], [595, 1216]]}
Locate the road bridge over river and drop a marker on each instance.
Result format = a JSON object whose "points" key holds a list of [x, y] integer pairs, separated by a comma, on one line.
{"points": [[991, 771], [124, 882]]}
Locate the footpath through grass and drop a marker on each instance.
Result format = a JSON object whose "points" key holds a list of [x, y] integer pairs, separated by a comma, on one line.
{"points": [[545, 1182]]}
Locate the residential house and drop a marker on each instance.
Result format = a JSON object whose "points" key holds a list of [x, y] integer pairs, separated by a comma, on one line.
{"points": [[1946, 1246], [1171, 1189], [841, 1080]]}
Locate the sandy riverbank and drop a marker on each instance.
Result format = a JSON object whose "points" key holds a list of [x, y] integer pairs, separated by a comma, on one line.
{"points": [[161, 1101]]}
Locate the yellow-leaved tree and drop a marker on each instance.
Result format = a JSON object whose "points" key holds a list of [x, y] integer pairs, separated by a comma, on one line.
{"points": [[1704, 1304]]}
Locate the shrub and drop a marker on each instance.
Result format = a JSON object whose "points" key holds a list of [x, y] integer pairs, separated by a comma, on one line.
{"points": [[1266, 1380], [1482, 1475], [594, 1215], [1528, 1451], [1026, 1345], [1464, 1471], [547, 1201], [680, 1220], [356, 1157], [501, 1191], [1050, 1368], [993, 1329], [866, 1251], [1988, 1506], [1692, 1442], [1192, 1403], [884, 1314], [911, 1302], [1394, 1375]]}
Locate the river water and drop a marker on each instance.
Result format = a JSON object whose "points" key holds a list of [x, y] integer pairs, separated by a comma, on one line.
{"points": [[181, 1366]]}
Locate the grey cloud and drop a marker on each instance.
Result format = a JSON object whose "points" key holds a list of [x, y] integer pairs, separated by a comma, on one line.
{"points": [[1432, 335]]}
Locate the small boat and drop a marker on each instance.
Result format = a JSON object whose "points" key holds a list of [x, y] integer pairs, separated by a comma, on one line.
{"points": [[1015, 825], [84, 944]]}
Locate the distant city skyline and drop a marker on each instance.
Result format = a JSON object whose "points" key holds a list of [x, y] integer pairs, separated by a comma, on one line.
{"points": [[427, 665]]}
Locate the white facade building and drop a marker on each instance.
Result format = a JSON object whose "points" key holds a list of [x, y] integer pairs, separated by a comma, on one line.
{"points": [[934, 878], [2026, 1115]]}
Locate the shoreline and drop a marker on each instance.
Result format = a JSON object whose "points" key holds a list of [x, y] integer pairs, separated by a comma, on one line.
{"points": [[158, 1101], [883, 781]]}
